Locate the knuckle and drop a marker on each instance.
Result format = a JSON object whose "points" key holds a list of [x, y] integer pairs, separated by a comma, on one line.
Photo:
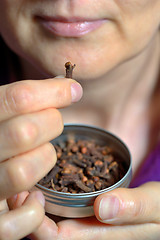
{"points": [[18, 97], [22, 133]]}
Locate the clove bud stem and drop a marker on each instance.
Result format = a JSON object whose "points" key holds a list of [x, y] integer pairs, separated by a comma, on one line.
{"points": [[69, 69]]}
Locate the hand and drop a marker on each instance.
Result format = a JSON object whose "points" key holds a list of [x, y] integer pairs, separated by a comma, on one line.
{"points": [[29, 119], [137, 217]]}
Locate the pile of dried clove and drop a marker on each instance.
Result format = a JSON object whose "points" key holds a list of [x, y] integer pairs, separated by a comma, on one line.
{"points": [[84, 166]]}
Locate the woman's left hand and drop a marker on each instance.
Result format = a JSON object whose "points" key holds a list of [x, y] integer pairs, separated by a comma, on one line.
{"points": [[123, 214]]}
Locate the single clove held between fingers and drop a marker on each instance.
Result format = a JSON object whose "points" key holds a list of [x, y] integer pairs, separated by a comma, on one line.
{"points": [[69, 69]]}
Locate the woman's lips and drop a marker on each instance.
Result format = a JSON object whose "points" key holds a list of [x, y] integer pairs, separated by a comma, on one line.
{"points": [[71, 28]]}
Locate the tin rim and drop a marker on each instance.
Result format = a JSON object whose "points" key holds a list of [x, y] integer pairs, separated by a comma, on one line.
{"points": [[95, 193]]}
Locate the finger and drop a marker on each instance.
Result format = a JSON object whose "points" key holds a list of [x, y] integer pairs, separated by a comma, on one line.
{"points": [[90, 229], [25, 132], [20, 222], [17, 200], [47, 230], [130, 206], [34, 95], [24, 171]]}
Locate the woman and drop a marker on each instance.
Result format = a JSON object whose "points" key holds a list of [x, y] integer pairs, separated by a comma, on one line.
{"points": [[116, 48]]}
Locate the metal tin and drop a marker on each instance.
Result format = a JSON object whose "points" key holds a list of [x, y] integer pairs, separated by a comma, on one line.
{"points": [[81, 204]]}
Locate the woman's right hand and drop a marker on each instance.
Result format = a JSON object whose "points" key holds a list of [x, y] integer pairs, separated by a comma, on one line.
{"points": [[29, 119]]}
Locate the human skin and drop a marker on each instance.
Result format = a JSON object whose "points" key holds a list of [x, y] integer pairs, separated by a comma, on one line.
{"points": [[27, 124], [43, 54], [130, 27]]}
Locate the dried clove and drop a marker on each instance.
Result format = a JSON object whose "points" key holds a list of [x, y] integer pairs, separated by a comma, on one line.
{"points": [[84, 166], [69, 69]]}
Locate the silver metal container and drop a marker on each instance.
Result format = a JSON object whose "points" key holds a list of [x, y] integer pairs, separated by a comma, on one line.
{"points": [[81, 204]]}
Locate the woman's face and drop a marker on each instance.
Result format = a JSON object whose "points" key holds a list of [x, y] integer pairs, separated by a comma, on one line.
{"points": [[96, 35]]}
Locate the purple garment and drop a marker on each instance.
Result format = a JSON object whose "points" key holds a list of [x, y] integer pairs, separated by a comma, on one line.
{"points": [[150, 171]]}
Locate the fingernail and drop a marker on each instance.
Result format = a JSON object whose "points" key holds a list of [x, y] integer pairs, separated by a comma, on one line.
{"points": [[76, 91], [40, 197], [108, 208]]}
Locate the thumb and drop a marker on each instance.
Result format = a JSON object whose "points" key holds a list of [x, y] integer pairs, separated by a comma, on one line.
{"points": [[130, 206]]}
